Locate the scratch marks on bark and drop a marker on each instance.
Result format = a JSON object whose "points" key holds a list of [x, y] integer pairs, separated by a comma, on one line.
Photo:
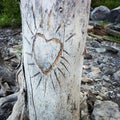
{"points": [[61, 62], [31, 64], [41, 21], [35, 74], [52, 82], [58, 28], [30, 54], [65, 59], [70, 37], [61, 72], [33, 13], [27, 40], [66, 52], [64, 66], [45, 86], [29, 27], [57, 78], [49, 21], [39, 82], [33, 99]]}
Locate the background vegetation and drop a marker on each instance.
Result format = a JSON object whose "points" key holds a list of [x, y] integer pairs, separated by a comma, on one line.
{"points": [[109, 3], [10, 11]]}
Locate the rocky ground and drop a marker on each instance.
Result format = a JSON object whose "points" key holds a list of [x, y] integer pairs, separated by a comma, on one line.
{"points": [[101, 79], [100, 91], [10, 52]]}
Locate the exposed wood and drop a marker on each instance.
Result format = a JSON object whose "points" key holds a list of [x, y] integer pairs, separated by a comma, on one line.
{"points": [[54, 34], [11, 57], [112, 32], [101, 38], [10, 98], [19, 110], [96, 36]]}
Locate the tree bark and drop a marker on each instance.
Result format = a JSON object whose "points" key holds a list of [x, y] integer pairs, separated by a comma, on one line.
{"points": [[54, 34]]}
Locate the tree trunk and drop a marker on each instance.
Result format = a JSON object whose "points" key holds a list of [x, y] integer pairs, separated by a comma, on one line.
{"points": [[54, 34]]}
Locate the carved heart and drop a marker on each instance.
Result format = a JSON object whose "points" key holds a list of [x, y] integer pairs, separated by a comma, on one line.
{"points": [[46, 53]]}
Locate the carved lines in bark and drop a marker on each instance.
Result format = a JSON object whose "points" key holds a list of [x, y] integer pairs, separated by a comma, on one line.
{"points": [[59, 56], [55, 40]]}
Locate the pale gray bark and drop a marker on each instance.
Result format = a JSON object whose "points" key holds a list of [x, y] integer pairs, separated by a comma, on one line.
{"points": [[54, 34]]}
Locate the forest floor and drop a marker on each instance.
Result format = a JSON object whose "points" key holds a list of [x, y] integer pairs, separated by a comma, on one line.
{"points": [[101, 71]]}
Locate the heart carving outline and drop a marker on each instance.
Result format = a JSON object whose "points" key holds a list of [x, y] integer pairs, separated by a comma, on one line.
{"points": [[45, 72]]}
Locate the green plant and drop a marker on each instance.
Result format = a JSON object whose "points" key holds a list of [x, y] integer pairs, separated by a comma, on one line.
{"points": [[109, 3], [112, 38], [9, 13]]}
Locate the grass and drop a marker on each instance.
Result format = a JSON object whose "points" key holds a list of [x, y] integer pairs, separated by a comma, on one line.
{"points": [[111, 38]]}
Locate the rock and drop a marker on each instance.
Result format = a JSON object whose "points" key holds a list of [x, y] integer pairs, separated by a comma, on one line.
{"points": [[95, 44], [106, 78], [100, 50], [2, 93], [94, 75], [106, 110], [95, 69], [83, 106], [100, 13], [99, 61], [112, 49], [115, 27], [91, 98], [105, 59], [109, 71], [7, 75], [99, 97], [87, 56], [86, 67], [104, 92], [114, 15], [86, 80], [118, 54], [87, 87], [116, 76], [116, 61]]}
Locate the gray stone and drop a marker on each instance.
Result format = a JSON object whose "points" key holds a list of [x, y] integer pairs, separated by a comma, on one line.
{"points": [[83, 105], [87, 56], [116, 76], [118, 54], [94, 75], [95, 44], [106, 78], [114, 15], [105, 59], [106, 110], [100, 13], [115, 27], [100, 50], [109, 71], [112, 49]]}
